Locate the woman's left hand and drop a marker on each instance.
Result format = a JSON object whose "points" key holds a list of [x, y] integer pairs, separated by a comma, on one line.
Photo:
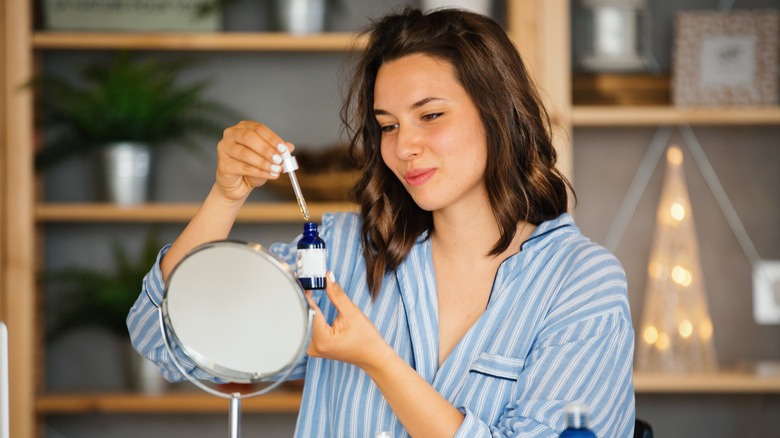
{"points": [[352, 338]]}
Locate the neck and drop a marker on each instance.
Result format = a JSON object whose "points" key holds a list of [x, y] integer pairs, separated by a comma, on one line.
{"points": [[471, 235]]}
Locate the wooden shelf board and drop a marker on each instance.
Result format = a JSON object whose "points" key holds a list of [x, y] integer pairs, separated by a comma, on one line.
{"points": [[279, 401], [279, 212], [668, 115], [722, 382], [289, 400], [249, 41]]}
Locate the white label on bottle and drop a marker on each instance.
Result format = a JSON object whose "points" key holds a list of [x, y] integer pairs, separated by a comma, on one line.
{"points": [[311, 262]]}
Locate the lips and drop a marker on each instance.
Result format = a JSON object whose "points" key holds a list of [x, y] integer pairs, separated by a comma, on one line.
{"points": [[418, 177]]}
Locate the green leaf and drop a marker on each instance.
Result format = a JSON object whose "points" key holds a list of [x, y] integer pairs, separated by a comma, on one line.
{"points": [[126, 100], [99, 298]]}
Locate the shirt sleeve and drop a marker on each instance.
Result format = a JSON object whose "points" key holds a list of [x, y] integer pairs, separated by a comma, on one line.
{"points": [[583, 354], [143, 323]]}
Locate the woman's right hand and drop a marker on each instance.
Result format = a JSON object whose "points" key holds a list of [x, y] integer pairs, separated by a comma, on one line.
{"points": [[248, 156]]}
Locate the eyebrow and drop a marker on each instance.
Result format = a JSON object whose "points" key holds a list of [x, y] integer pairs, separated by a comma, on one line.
{"points": [[418, 104]]}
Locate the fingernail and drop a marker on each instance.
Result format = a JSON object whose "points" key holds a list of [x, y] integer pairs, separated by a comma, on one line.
{"points": [[275, 168], [281, 147], [274, 174], [277, 158], [331, 277]]}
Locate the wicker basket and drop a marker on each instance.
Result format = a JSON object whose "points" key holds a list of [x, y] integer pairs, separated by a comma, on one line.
{"points": [[322, 187]]}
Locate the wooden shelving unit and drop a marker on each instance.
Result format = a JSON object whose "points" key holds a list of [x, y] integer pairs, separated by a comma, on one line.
{"points": [[288, 401], [278, 212], [278, 401], [540, 27], [722, 382], [203, 41], [613, 116]]}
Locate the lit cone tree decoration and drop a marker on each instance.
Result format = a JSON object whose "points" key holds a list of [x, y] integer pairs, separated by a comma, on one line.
{"points": [[676, 331]]}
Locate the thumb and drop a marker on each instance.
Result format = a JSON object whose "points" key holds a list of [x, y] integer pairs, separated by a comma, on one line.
{"points": [[336, 295], [318, 321]]}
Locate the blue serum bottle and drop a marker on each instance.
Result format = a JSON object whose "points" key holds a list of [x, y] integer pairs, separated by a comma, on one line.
{"points": [[577, 422], [311, 258]]}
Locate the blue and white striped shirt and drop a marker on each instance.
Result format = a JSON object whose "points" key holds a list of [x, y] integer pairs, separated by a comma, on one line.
{"points": [[556, 330]]}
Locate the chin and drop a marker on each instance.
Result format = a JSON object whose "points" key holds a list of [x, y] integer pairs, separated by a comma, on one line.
{"points": [[427, 203]]}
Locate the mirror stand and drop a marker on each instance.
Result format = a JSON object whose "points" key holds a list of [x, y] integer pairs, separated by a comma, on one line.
{"points": [[234, 417], [234, 414]]}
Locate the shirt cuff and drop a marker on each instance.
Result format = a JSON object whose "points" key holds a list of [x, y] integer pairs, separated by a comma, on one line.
{"points": [[153, 282], [472, 426]]}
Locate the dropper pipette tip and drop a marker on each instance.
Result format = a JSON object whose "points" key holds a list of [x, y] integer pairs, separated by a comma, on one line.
{"points": [[290, 165]]}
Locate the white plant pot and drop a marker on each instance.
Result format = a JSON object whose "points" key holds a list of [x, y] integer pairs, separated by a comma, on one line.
{"points": [[484, 7], [126, 172], [144, 376], [302, 16]]}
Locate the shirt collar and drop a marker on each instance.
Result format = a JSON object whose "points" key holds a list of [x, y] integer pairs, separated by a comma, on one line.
{"points": [[537, 238], [544, 231]]}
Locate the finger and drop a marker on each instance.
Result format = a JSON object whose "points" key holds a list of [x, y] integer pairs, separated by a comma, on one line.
{"points": [[269, 136], [248, 145], [318, 316], [256, 137], [249, 162], [263, 132], [320, 327], [285, 145], [275, 144], [336, 294]]}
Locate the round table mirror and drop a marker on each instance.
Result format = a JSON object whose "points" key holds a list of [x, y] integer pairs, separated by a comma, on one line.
{"points": [[239, 314]]}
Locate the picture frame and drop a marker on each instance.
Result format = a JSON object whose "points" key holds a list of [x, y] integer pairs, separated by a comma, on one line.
{"points": [[725, 58]]}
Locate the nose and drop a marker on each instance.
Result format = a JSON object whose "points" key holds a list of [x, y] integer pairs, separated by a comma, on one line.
{"points": [[409, 143]]}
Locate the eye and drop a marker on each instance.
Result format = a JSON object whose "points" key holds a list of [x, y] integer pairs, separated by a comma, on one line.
{"points": [[431, 116], [389, 128]]}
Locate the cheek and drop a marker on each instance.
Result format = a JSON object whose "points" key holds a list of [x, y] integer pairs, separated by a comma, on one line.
{"points": [[458, 137], [389, 157], [469, 145], [387, 154]]}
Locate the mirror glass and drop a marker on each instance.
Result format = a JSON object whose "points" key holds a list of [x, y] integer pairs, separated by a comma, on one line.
{"points": [[237, 311]]}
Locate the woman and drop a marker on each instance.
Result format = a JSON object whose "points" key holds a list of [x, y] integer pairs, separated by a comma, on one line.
{"points": [[462, 299]]}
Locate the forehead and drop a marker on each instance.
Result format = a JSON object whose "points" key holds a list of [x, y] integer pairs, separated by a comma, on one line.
{"points": [[414, 74]]}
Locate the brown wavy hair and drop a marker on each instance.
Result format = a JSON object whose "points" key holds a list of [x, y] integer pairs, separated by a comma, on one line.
{"points": [[521, 179]]}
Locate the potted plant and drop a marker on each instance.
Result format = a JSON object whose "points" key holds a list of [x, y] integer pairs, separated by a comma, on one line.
{"points": [[483, 7], [297, 17], [102, 299], [124, 110]]}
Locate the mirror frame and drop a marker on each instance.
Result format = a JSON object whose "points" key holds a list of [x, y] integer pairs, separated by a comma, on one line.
{"points": [[226, 375]]}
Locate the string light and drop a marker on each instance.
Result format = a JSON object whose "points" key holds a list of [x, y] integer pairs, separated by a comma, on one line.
{"points": [[657, 270], [677, 211], [674, 156], [682, 276], [663, 341], [705, 330], [685, 328], [677, 331], [651, 334]]}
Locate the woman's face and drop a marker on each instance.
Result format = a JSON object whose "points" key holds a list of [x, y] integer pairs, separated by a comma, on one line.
{"points": [[433, 138]]}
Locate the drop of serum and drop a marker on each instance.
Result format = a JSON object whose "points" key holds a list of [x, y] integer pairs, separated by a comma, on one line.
{"points": [[311, 258]]}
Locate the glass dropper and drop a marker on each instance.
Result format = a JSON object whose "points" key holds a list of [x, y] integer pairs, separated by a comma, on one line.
{"points": [[289, 166]]}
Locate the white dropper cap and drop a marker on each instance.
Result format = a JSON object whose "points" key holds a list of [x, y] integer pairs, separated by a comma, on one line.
{"points": [[576, 415], [289, 163]]}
